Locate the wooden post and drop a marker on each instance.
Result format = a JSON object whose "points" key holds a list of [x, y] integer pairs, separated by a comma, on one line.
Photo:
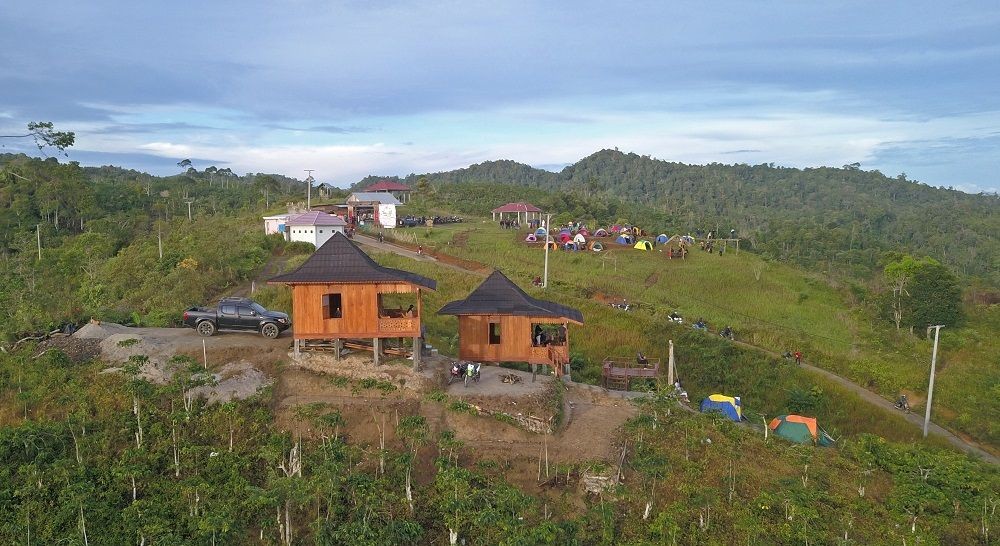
{"points": [[204, 353], [38, 232], [296, 348], [534, 371], [375, 350], [670, 365], [338, 346], [418, 348]]}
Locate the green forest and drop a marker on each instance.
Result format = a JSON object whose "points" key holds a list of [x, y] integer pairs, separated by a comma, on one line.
{"points": [[92, 457]]}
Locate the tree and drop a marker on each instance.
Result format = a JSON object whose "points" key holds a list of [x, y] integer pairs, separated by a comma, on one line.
{"points": [[45, 135], [184, 163], [924, 293]]}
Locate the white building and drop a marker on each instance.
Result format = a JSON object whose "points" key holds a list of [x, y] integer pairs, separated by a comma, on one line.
{"points": [[376, 207], [275, 224], [313, 227]]}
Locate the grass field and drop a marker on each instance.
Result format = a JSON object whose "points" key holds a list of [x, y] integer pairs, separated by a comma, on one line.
{"points": [[771, 305]]}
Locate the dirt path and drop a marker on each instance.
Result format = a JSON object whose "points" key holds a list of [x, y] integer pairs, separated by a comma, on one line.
{"points": [[396, 249], [275, 264], [867, 395]]}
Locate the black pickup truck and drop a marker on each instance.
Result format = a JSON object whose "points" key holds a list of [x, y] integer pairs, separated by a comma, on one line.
{"points": [[236, 314]]}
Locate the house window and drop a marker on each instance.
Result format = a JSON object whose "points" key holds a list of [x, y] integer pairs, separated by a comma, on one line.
{"points": [[332, 308], [494, 333], [321, 231]]}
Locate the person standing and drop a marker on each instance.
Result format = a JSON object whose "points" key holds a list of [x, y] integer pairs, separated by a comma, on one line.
{"points": [[798, 358]]}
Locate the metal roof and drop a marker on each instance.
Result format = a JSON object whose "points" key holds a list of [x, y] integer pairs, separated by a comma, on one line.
{"points": [[517, 207], [341, 261], [315, 218], [387, 185], [498, 295], [369, 197]]}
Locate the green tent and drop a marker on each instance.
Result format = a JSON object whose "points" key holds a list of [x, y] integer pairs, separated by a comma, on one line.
{"points": [[799, 429]]}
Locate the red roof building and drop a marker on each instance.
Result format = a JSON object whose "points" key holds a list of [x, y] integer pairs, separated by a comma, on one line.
{"points": [[400, 191], [527, 209]]}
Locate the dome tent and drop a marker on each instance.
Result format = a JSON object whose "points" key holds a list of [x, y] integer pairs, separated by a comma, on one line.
{"points": [[540, 232], [531, 238], [662, 239], [643, 245], [730, 406], [801, 430], [596, 246], [601, 232], [580, 239], [624, 239]]}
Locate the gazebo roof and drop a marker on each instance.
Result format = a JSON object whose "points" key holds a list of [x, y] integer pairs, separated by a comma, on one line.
{"points": [[498, 295], [340, 261], [387, 185], [518, 207]]}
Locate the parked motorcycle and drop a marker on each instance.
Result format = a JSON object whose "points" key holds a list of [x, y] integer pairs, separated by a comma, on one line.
{"points": [[624, 305], [675, 318], [728, 333], [472, 372], [902, 403], [464, 371]]}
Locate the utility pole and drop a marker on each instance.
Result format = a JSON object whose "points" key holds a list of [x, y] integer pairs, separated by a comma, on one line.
{"points": [[189, 209], [548, 229], [930, 388], [309, 188]]}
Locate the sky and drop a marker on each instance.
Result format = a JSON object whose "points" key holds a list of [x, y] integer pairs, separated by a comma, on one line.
{"points": [[352, 88]]}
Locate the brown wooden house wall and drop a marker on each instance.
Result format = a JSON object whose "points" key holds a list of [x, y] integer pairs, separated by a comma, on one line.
{"points": [[515, 339], [360, 312]]}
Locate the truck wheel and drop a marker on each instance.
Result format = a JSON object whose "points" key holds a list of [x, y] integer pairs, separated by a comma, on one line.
{"points": [[270, 331], [206, 328]]}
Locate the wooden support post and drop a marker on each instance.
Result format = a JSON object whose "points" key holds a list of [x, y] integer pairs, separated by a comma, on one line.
{"points": [[376, 349], [296, 348], [337, 347], [534, 371], [418, 348]]}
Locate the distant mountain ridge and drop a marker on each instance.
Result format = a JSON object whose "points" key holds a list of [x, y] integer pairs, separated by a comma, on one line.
{"points": [[815, 215]]}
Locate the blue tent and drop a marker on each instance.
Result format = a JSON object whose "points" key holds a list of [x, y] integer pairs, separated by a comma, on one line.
{"points": [[729, 406], [624, 239], [540, 232], [662, 239]]}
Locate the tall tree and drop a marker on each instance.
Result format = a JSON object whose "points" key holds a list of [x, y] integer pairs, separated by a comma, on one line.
{"points": [[45, 135]]}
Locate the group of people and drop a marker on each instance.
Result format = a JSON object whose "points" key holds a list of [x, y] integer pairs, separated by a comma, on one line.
{"points": [[540, 338], [510, 224]]}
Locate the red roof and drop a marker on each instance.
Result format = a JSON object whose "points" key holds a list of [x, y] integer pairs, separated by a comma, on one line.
{"points": [[518, 207], [387, 185]]}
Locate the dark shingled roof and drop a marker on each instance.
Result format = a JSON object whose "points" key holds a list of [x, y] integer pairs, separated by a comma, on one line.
{"points": [[499, 296], [340, 260]]}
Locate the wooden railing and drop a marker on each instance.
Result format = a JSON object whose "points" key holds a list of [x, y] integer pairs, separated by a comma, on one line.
{"points": [[397, 324], [623, 370], [555, 354]]}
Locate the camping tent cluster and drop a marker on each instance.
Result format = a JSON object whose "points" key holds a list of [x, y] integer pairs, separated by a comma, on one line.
{"points": [[795, 428]]}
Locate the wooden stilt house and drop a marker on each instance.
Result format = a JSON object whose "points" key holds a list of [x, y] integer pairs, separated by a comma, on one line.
{"points": [[340, 294], [499, 322]]}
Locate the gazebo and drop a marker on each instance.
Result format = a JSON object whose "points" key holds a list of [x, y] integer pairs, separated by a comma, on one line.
{"points": [[340, 293], [530, 212], [399, 191], [499, 322]]}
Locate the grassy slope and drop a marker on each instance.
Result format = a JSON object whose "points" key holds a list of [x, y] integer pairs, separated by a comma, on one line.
{"points": [[785, 309]]}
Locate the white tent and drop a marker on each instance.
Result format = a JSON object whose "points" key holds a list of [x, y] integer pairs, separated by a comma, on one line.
{"points": [[579, 239]]}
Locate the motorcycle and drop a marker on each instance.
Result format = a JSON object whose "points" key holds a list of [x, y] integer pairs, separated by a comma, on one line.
{"points": [[675, 318], [728, 333], [624, 305], [902, 404], [472, 372], [464, 371], [700, 325]]}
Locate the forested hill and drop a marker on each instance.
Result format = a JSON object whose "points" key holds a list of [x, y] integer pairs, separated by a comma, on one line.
{"points": [[837, 217]]}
